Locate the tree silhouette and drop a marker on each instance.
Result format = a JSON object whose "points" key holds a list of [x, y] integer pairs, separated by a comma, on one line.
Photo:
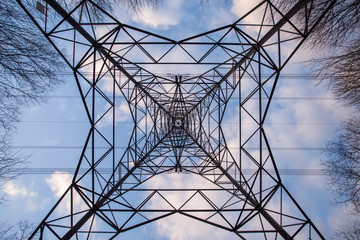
{"points": [[337, 38], [343, 164], [28, 70]]}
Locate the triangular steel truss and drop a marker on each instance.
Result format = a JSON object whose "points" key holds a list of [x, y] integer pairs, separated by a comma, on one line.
{"points": [[177, 94]]}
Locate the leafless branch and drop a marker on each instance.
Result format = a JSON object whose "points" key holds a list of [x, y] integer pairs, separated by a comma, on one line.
{"points": [[28, 70], [348, 231], [343, 166], [20, 231]]}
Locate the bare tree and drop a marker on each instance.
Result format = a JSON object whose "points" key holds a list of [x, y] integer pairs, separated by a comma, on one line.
{"points": [[134, 6], [28, 70], [341, 71], [339, 35], [337, 38], [339, 25], [11, 163], [343, 164], [20, 231], [339, 67], [349, 231], [137, 5]]}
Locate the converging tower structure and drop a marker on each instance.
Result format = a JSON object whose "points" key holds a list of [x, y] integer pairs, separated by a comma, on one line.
{"points": [[178, 94]]}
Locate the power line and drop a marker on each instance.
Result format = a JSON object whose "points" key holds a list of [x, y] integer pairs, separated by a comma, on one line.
{"points": [[224, 123], [245, 171], [123, 147], [294, 76], [310, 98]]}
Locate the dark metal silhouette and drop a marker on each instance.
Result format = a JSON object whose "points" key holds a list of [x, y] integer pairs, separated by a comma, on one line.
{"points": [[177, 94]]}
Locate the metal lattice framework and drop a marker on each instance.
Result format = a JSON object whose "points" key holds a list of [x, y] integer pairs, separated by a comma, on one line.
{"points": [[178, 94]]}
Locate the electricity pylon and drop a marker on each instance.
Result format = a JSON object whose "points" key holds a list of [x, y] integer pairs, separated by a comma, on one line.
{"points": [[177, 93]]}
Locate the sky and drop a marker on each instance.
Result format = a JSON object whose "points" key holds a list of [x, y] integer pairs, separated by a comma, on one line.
{"points": [[303, 116]]}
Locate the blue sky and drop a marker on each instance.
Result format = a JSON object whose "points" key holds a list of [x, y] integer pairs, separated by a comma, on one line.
{"points": [[303, 116]]}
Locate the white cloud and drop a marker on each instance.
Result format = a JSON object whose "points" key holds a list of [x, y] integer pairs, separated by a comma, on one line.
{"points": [[304, 107], [167, 15], [241, 7], [59, 182], [217, 15], [15, 190], [123, 112], [24, 197], [179, 227]]}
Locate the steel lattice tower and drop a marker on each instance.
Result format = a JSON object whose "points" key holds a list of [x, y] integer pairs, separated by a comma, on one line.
{"points": [[178, 93]]}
